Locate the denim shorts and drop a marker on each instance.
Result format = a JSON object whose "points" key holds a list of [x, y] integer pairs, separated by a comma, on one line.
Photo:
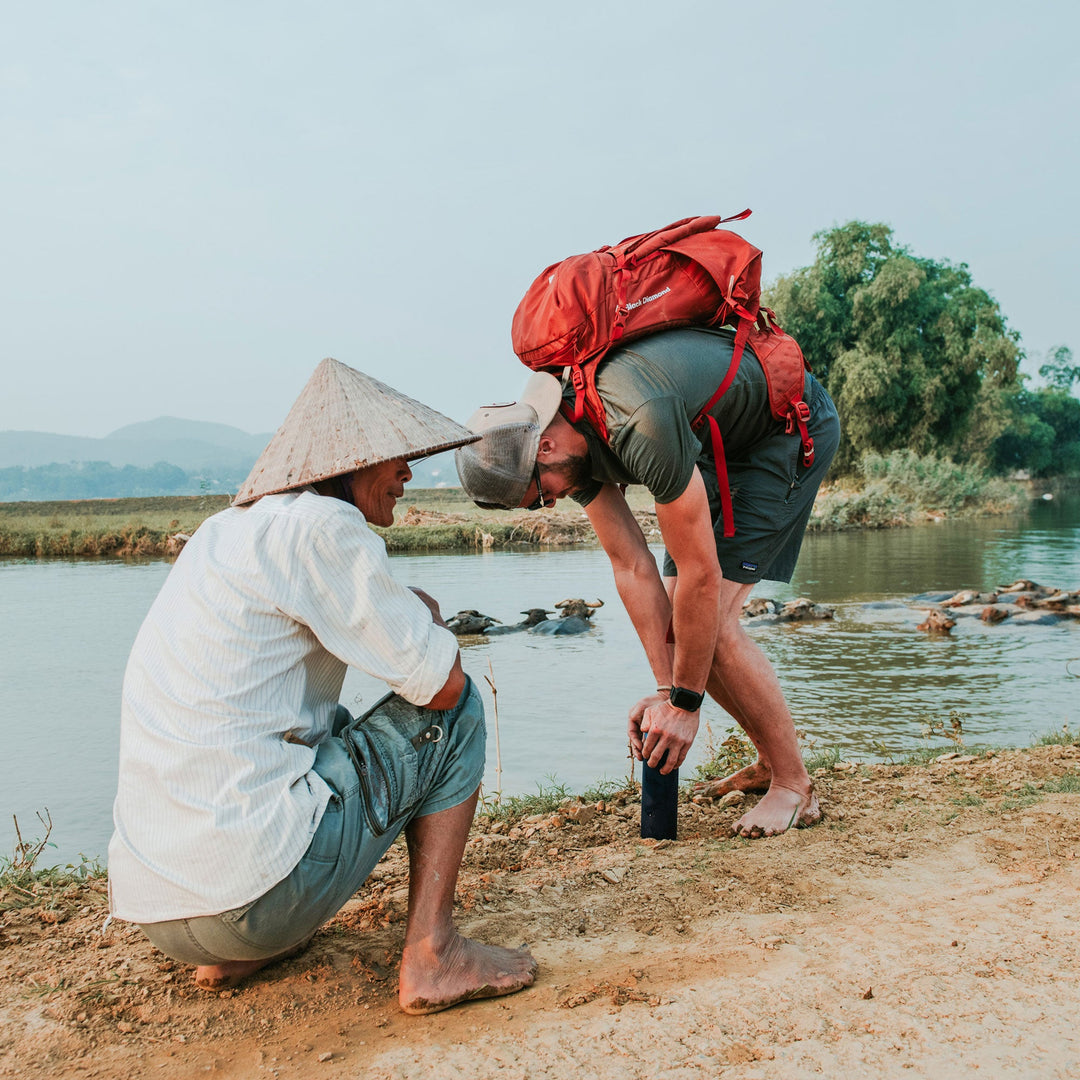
{"points": [[395, 763]]}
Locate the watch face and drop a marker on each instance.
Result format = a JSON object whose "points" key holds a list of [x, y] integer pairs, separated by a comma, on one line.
{"points": [[685, 699]]}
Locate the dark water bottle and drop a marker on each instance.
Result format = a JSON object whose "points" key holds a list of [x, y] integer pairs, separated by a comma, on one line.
{"points": [[659, 802]]}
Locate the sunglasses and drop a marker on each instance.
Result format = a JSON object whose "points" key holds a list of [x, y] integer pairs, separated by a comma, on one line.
{"points": [[538, 503]]}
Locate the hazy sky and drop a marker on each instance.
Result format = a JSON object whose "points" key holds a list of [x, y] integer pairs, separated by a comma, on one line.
{"points": [[200, 201]]}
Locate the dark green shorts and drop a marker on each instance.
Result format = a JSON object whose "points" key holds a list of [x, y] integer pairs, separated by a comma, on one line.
{"points": [[772, 495]]}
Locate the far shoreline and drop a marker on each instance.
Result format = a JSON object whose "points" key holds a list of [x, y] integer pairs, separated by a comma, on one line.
{"points": [[443, 519]]}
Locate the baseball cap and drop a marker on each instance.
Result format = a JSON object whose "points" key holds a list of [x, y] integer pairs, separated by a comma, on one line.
{"points": [[496, 471]]}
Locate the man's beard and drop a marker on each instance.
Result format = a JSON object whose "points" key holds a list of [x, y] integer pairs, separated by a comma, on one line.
{"points": [[575, 467]]}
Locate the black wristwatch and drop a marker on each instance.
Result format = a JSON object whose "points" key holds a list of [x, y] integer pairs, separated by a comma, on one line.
{"points": [[685, 699]]}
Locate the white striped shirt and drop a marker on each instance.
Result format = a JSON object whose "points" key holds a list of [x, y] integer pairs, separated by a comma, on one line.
{"points": [[248, 641]]}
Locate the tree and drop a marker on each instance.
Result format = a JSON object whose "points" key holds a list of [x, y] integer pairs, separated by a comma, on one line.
{"points": [[1059, 371], [903, 343]]}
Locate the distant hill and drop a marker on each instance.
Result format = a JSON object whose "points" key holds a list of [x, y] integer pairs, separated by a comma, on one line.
{"points": [[36, 465], [191, 445]]}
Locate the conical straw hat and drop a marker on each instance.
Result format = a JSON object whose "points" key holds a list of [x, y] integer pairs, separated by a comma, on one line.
{"points": [[344, 420]]}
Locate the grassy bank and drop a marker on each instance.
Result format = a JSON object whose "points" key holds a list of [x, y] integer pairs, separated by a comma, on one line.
{"points": [[427, 520], [116, 528], [903, 489], [898, 489]]}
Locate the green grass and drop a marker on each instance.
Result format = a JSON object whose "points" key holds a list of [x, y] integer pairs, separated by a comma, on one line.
{"points": [[895, 491], [902, 488], [825, 758], [968, 800], [735, 752], [551, 795], [24, 882], [1061, 736], [546, 800], [1069, 784], [101, 527], [122, 528]]}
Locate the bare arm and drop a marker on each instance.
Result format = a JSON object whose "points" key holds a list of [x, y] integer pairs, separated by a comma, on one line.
{"points": [[686, 525], [450, 694], [656, 728], [636, 576]]}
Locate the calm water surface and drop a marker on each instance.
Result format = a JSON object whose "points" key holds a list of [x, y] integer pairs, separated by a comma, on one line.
{"points": [[860, 682]]}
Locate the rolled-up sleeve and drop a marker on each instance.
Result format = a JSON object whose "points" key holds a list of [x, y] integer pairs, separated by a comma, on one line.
{"points": [[347, 596]]}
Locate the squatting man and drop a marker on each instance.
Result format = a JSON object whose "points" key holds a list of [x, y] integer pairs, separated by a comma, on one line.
{"points": [[532, 454], [251, 805]]}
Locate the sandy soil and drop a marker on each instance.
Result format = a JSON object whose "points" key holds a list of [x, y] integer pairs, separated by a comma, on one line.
{"points": [[929, 926]]}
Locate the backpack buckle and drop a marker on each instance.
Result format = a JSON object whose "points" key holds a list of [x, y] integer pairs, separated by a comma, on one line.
{"points": [[798, 416]]}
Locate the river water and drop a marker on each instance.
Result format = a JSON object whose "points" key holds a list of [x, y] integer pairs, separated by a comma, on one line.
{"points": [[862, 682]]}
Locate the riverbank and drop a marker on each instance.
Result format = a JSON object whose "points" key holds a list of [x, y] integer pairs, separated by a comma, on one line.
{"points": [[444, 519], [927, 926]]}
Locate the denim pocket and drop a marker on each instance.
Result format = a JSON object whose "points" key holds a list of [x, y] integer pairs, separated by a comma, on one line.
{"points": [[325, 846], [376, 780], [236, 914]]}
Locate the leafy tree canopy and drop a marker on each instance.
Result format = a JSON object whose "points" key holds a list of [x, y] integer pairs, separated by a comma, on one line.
{"points": [[903, 343], [1059, 371]]}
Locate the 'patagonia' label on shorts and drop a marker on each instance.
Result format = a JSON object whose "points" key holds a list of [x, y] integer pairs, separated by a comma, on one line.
{"points": [[751, 566]]}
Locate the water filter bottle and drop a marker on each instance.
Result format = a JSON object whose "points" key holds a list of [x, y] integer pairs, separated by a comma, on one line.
{"points": [[659, 802]]}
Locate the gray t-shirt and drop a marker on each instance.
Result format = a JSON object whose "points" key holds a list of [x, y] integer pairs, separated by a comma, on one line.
{"points": [[652, 389]]}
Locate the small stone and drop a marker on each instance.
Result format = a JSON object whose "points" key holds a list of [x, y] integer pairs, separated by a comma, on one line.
{"points": [[326, 1055], [733, 798], [613, 875], [125, 1028], [582, 815]]}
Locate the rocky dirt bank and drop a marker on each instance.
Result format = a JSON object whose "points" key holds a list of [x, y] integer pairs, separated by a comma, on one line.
{"points": [[927, 927]]}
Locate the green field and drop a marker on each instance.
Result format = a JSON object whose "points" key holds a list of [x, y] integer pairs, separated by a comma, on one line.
{"points": [[896, 490], [436, 519]]}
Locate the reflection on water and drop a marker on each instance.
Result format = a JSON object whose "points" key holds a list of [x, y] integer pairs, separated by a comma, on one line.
{"points": [[860, 682]]}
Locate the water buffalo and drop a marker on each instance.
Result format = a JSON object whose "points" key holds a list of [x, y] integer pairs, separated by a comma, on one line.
{"points": [[573, 618], [469, 623], [969, 596], [803, 610], [579, 608], [570, 624], [758, 606], [533, 617], [937, 622]]}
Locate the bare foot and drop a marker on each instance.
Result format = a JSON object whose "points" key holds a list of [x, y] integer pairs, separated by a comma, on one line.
{"points": [[229, 974], [435, 977], [778, 810], [754, 777]]}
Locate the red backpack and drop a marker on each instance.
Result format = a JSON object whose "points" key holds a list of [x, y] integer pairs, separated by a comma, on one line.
{"points": [[688, 274]]}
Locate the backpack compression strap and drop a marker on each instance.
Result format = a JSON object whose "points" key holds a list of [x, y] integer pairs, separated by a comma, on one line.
{"points": [[714, 428]]}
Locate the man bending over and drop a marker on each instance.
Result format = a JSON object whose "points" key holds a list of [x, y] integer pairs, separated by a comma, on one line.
{"points": [[531, 454]]}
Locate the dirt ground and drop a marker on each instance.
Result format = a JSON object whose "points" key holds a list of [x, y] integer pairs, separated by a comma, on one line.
{"points": [[929, 926]]}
